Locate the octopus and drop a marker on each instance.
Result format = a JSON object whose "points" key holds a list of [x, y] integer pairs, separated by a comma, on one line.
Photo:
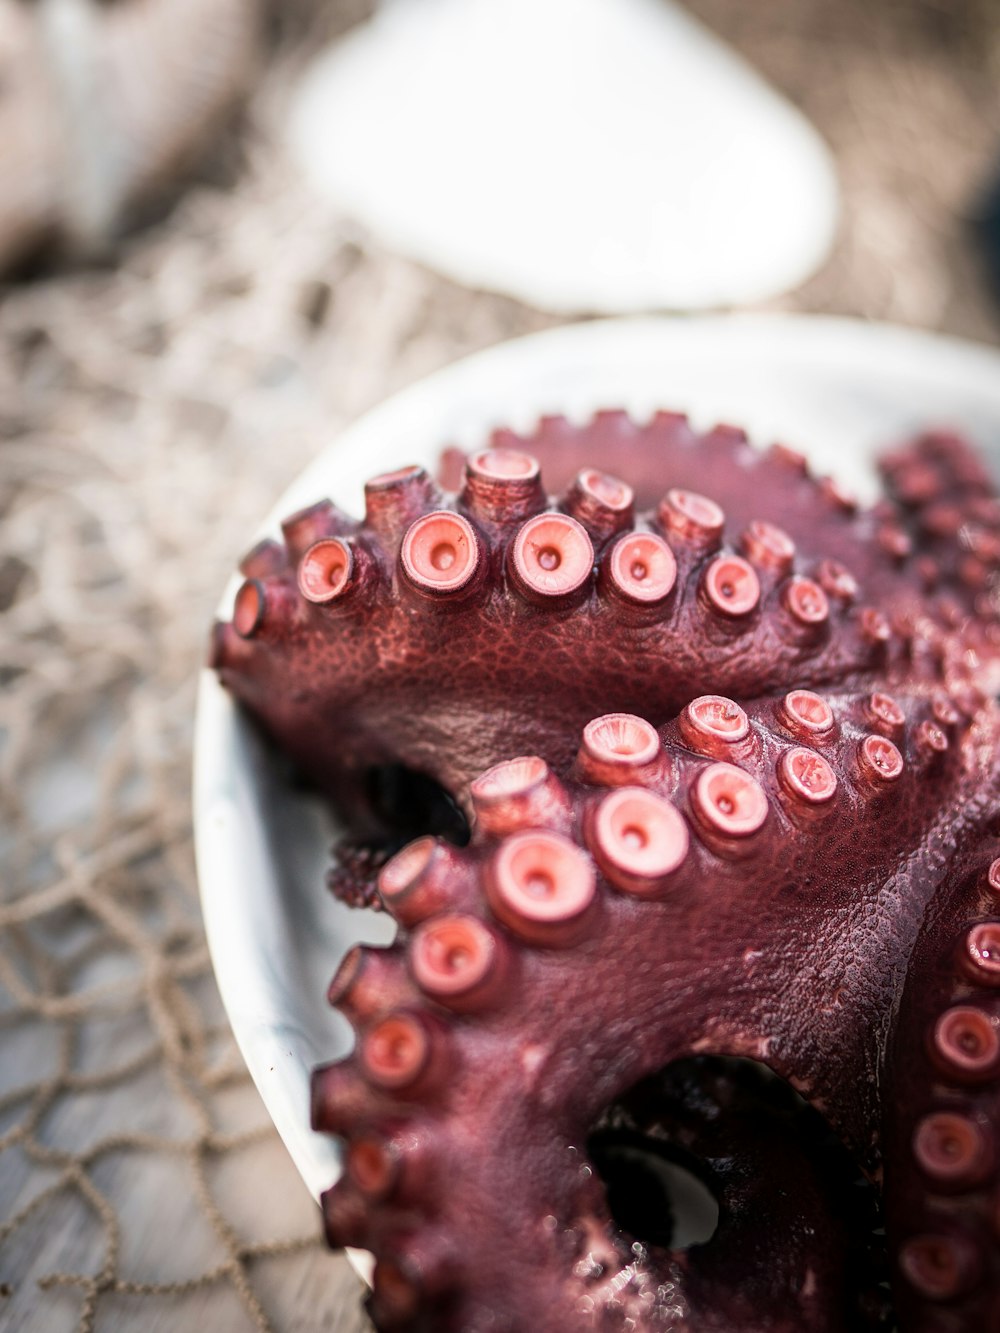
{"points": [[681, 782]]}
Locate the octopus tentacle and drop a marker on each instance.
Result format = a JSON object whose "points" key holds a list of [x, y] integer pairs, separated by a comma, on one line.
{"points": [[948, 505], [700, 778], [943, 1109], [751, 485], [674, 850], [343, 645], [946, 496], [938, 525]]}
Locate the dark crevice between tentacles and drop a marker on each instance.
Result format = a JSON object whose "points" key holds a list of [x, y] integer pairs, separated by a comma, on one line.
{"points": [[411, 804], [655, 1192], [406, 805], [722, 1159], [387, 806]]}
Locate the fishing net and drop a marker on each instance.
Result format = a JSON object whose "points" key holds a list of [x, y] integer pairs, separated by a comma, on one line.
{"points": [[149, 413]]}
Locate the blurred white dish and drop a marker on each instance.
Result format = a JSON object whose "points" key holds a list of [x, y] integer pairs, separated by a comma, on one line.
{"points": [[585, 156], [836, 389]]}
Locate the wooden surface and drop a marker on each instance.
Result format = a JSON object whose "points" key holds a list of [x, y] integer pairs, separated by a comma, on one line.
{"points": [[164, 1233]]}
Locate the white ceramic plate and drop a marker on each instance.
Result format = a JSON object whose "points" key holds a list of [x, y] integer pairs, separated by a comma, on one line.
{"points": [[836, 389]]}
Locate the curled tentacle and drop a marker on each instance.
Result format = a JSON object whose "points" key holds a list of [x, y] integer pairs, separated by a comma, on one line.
{"points": [[942, 1111], [723, 743], [353, 646], [504, 1012]]}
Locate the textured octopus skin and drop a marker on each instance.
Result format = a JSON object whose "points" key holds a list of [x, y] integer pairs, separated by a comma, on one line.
{"points": [[823, 796], [387, 664], [698, 933]]}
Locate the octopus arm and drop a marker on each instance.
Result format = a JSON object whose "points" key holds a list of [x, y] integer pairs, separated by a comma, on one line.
{"points": [[547, 979], [949, 515], [942, 1109], [750, 816], [445, 631]]}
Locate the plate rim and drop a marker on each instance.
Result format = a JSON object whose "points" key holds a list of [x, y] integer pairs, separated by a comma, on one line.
{"points": [[803, 340]]}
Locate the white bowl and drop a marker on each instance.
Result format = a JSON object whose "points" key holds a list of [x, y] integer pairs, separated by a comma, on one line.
{"points": [[836, 389]]}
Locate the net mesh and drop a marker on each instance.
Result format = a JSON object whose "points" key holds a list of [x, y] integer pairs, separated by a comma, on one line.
{"points": [[148, 416]]}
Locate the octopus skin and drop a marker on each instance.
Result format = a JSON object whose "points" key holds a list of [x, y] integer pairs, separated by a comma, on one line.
{"points": [[355, 650], [729, 763]]}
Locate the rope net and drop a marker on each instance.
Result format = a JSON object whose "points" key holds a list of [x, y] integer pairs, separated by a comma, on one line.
{"points": [[149, 413]]}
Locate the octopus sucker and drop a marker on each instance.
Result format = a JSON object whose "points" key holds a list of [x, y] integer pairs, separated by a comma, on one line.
{"points": [[693, 851], [677, 770], [941, 1110], [346, 643]]}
